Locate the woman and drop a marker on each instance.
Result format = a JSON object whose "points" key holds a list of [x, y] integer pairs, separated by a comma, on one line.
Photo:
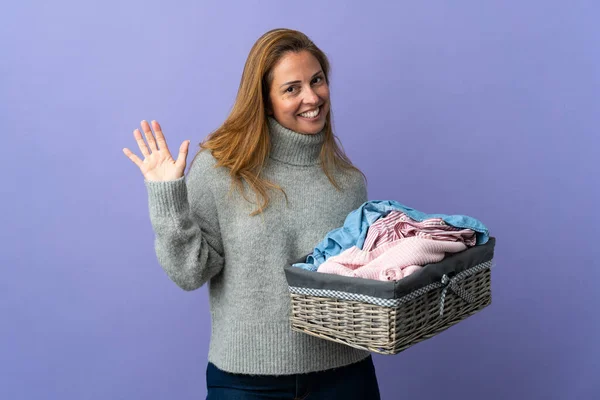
{"points": [[261, 192]]}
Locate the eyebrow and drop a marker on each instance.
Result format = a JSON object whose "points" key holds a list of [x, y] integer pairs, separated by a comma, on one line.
{"points": [[290, 82]]}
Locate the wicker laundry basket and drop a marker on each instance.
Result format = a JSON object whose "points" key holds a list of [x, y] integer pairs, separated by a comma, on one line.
{"points": [[388, 317]]}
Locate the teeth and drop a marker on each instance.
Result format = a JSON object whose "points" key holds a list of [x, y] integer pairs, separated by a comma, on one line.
{"points": [[310, 114]]}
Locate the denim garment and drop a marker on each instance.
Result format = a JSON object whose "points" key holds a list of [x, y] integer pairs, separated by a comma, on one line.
{"points": [[356, 381], [356, 225]]}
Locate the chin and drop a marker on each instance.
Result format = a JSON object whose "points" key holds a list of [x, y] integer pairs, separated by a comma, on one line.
{"points": [[312, 131], [311, 128]]}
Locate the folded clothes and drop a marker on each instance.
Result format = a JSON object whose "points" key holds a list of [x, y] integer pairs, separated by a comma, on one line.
{"points": [[392, 260], [397, 225], [357, 223]]}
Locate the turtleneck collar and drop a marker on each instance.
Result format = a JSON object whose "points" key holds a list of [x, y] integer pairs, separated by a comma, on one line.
{"points": [[292, 147]]}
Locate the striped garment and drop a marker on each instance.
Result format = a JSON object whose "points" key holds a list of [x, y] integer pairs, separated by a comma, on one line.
{"points": [[397, 225], [390, 261]]}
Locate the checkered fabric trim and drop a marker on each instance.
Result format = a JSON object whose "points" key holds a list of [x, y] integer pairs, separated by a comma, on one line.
{"points": [[445, 282], [344, 296]]}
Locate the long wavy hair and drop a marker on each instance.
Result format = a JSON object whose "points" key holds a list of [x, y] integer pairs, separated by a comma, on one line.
{"points": [[242, 142]]}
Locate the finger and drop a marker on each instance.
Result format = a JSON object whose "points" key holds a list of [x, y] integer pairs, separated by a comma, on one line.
{"points": [[136, 160], [160, 138], [141, 144], [149, 136], [183, 150]]}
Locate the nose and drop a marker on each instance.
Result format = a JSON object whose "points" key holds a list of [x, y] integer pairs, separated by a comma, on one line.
{"points": [[310, 97]]}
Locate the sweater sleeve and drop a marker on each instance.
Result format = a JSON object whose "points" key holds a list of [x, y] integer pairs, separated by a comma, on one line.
{"points": [[187, 242]]}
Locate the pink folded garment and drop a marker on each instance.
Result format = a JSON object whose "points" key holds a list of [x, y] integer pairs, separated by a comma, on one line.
{"points": [[397, 225], [390, 261], [396, 273]]}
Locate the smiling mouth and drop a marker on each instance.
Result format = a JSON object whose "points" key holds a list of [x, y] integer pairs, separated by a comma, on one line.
{"points": [[313, 114]]}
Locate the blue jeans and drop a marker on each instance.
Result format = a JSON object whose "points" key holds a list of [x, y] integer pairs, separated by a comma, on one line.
{"points": [[352, 382]]}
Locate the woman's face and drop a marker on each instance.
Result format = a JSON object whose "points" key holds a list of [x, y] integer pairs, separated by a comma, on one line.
{"points": [[299, 93]]}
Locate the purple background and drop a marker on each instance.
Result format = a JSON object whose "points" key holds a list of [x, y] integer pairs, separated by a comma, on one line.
{"points": [[487, 108]]}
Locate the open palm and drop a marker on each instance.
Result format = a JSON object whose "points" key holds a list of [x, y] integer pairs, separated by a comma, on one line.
{"points": [[158, 163]]}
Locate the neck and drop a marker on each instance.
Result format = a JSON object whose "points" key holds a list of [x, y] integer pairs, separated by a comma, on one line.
{"points": [[292, 147]]}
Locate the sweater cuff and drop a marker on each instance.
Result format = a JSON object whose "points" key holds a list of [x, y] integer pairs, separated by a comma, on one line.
{"points": [[167, 197]]}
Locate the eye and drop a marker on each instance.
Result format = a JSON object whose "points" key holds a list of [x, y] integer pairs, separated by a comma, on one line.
{"points": [[318, 79], [289, 89]]}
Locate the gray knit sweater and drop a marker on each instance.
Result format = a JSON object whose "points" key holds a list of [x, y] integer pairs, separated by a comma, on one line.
{"points": [[204, 235]]}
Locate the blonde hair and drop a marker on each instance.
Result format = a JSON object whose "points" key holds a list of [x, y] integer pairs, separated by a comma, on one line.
{"points": [[242, 142]]}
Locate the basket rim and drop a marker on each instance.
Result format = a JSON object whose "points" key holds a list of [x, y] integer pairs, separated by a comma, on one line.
{"points": [[452, 264], [396, 301]]}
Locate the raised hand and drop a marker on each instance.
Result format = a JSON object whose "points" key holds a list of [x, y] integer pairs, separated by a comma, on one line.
{"points": [[158, 164]]}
